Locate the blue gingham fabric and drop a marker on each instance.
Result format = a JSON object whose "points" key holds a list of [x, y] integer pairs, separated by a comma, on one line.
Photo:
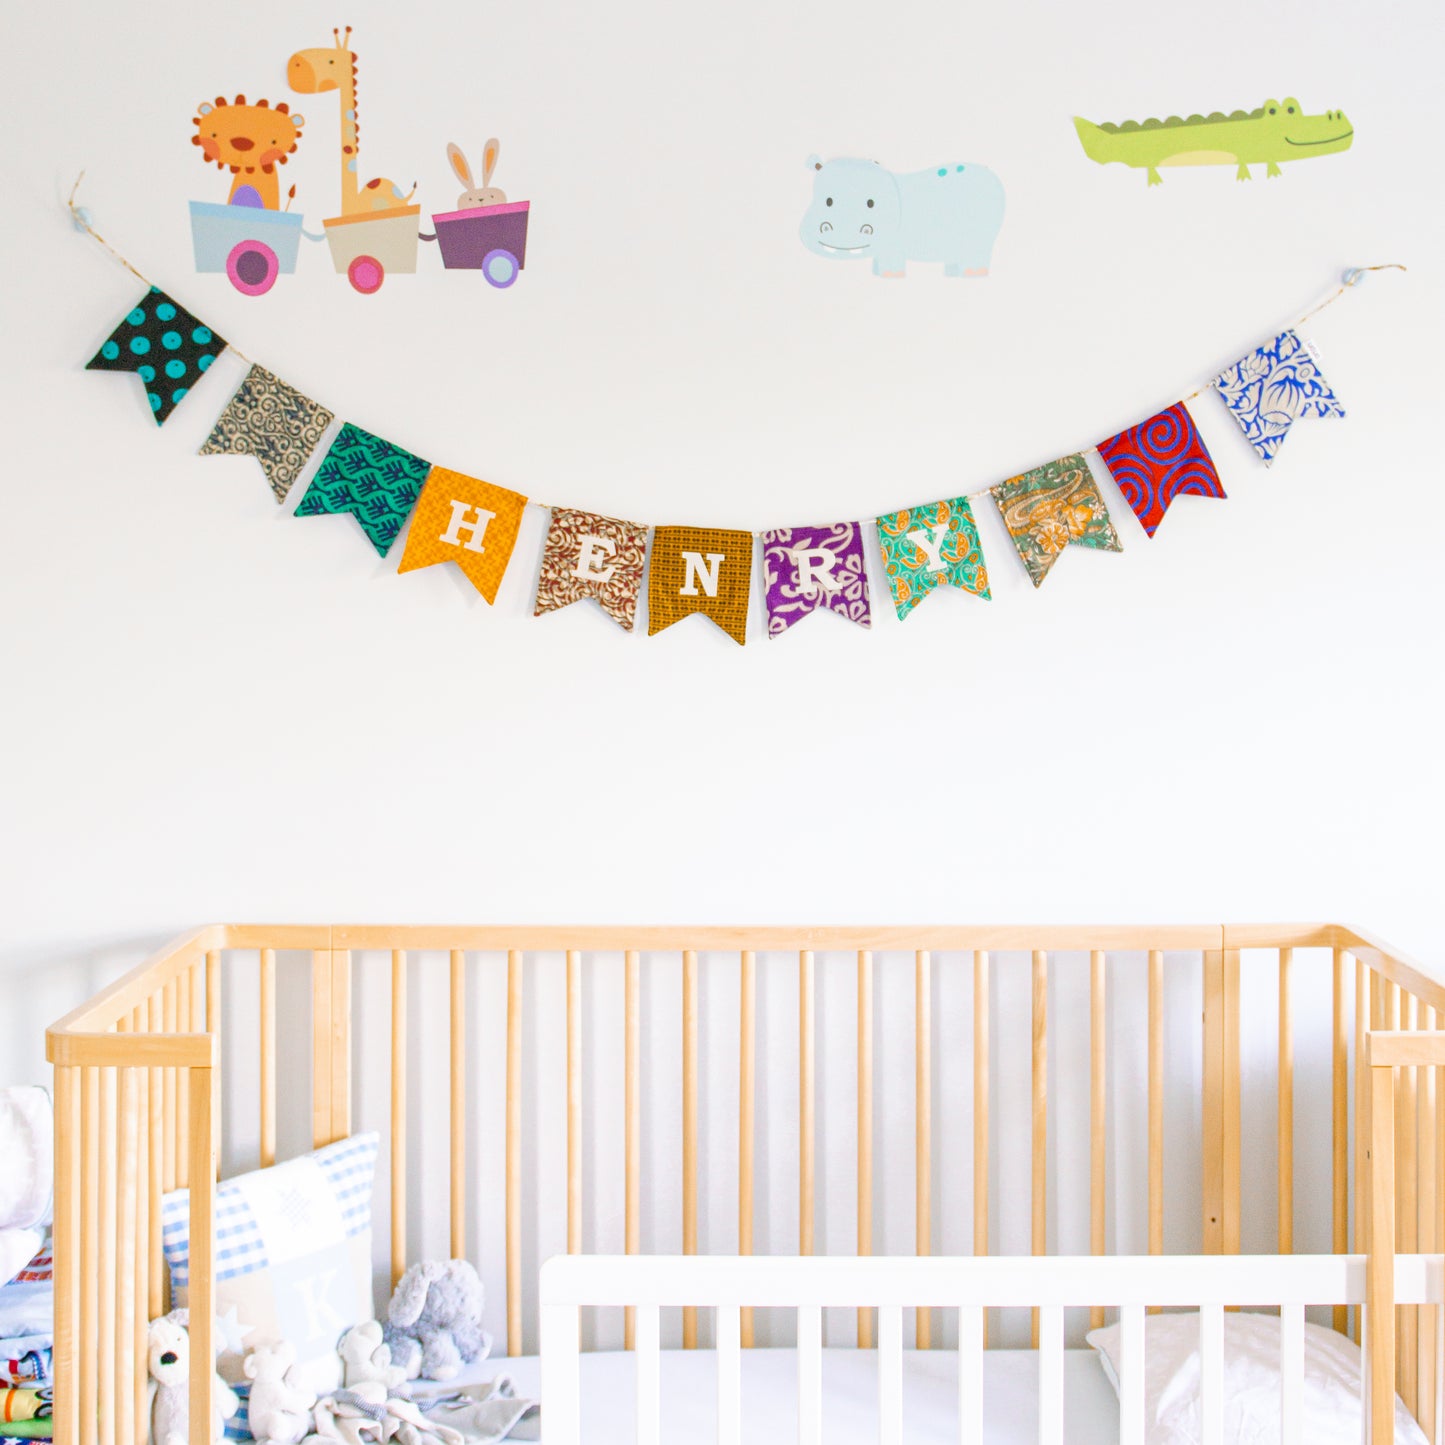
{"points": [[242, 1244]]}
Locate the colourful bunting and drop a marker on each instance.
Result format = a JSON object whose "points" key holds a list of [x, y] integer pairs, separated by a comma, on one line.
{"points": [[590, 556], [1158, 460], [932, 546], [163, 344], [1272, 387], [468, 521], [700, 569], [370, 478], [1050, 507], [805, 568], [274, 423]]}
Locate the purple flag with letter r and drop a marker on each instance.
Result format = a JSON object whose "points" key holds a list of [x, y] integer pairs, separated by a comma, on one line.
{"points": [[805, 568]]}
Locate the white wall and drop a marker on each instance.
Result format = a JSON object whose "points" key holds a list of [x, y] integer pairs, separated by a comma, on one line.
{"points": [[212, 710]]}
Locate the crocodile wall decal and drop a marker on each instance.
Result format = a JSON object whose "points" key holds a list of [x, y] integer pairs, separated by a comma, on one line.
{"points": [[1277, 131]]}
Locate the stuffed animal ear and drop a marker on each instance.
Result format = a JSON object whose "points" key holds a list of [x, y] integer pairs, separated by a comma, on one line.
{"points": [[248, 1367], [410, 1297], [459, 164]]}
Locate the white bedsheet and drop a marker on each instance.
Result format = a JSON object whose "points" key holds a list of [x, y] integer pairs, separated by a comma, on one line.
{"points": [[850, 1396]]}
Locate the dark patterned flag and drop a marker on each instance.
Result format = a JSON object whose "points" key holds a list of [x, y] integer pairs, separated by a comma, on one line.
{"points": [[1272, 387], [1051, 507], [163, 344], [591, 556], [929, 547], [805, 568], [274, 423], [700, 569], [375, 481], [1158, 460]]}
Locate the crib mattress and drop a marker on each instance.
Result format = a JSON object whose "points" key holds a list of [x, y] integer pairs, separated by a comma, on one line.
{"points": [[850, 1396]]}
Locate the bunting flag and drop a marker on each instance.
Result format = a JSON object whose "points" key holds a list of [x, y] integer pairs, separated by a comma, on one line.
{"points": [[468, 521], [590, 556], [1050, 507], [700, 569], [805, 568], [163, 344], [274, 423], [1158, 460], [1272, 387], [370, 478], [932, 546]]}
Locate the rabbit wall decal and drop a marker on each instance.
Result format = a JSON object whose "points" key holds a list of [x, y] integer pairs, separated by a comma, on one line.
{"points": [[486, 194]]}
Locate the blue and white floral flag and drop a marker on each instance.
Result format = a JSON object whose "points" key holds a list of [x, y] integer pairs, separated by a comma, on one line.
{"points": [[1269, 389]]}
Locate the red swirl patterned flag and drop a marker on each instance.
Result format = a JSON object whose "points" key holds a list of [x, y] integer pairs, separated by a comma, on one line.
{"points": [[591, 556], [1158, 460]]}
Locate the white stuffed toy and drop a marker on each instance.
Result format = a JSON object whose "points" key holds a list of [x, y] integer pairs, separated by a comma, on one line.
{"points": [[434, 1325], [278, 1413], [365, 1358], [168, 1355]]}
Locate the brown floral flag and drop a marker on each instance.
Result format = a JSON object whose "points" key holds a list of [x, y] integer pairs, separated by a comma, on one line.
{"points": [[700, 569], [1049, 508], [273, 422], [590, 556]]}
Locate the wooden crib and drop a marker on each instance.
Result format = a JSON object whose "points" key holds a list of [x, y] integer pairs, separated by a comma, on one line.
{"points": [[139, 1108]]}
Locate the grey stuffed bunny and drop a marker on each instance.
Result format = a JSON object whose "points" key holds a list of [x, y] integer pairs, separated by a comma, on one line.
{"points": [[434, 1325]]}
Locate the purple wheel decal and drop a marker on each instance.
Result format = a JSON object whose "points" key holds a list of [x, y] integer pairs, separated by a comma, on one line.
{"points": [[252, 267], [500, 268], [366, 274]]}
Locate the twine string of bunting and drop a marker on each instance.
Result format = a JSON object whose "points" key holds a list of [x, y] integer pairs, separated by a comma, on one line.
{"points": [[81, 219]]}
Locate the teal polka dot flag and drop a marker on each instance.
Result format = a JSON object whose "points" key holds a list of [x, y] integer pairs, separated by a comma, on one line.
{"points": [[374, 480], [163, 344]]}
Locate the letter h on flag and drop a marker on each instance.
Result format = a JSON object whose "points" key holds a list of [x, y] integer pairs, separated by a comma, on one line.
{"points": [[468, 521]]}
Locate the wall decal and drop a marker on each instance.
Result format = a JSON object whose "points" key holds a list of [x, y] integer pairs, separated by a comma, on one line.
{"points": [[949, 214], [1277, 131], [252, 140], [486, 232]]}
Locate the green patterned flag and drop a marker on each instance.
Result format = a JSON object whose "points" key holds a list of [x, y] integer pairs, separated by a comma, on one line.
{"points": [[932, 546], [1051, 507], [376, 482]]}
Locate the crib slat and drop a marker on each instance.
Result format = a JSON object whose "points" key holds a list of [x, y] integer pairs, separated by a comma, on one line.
{"points": [[398, 1115], [105, 1258], [156, 1161], [126, 1187], [1098, 1123], [168, 1025], [85, 1355], [970, 1374], [810, 1375], [67, 1243], [181, 1117], [1406, 1195], [141, 1294], [922, 1127], [807, 1034], [890, 1375], [631, 1126], [1428, 1238], [1285, 1107], [980, 1111], [1039, 1171], [201, 1295], [458, 1110], [340, 1044], [1211, 1374], [1362, 1112], [513, 1149], [689, 1130], [1381, 1244], [1156, 1101], [649, 1398], [1131, 1375], [728, 1330], [747, 1102], [268, 1057], [1051, 1375], [1340, 1127], [865, 1130], [1291, 1374], [574, 1101]]}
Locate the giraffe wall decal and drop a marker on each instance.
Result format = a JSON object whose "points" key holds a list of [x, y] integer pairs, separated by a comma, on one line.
{"points": [[334, 68]]}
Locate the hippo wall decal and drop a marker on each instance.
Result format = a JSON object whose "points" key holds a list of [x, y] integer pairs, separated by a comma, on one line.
{"points": [[949, 214]]}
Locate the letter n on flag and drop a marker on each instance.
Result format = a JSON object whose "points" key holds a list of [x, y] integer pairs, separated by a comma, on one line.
{"points": [[468, 521], [700, 569]]}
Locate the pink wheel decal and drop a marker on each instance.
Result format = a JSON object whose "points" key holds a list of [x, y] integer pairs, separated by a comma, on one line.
{"points": [[366, 274], [252, 267]]}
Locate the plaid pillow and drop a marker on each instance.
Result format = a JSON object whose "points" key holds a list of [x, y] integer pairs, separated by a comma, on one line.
{"points": [[293, 1257]]}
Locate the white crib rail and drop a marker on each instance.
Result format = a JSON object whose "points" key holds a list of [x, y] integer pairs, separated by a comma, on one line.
{"points": [[969, 1285]]}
